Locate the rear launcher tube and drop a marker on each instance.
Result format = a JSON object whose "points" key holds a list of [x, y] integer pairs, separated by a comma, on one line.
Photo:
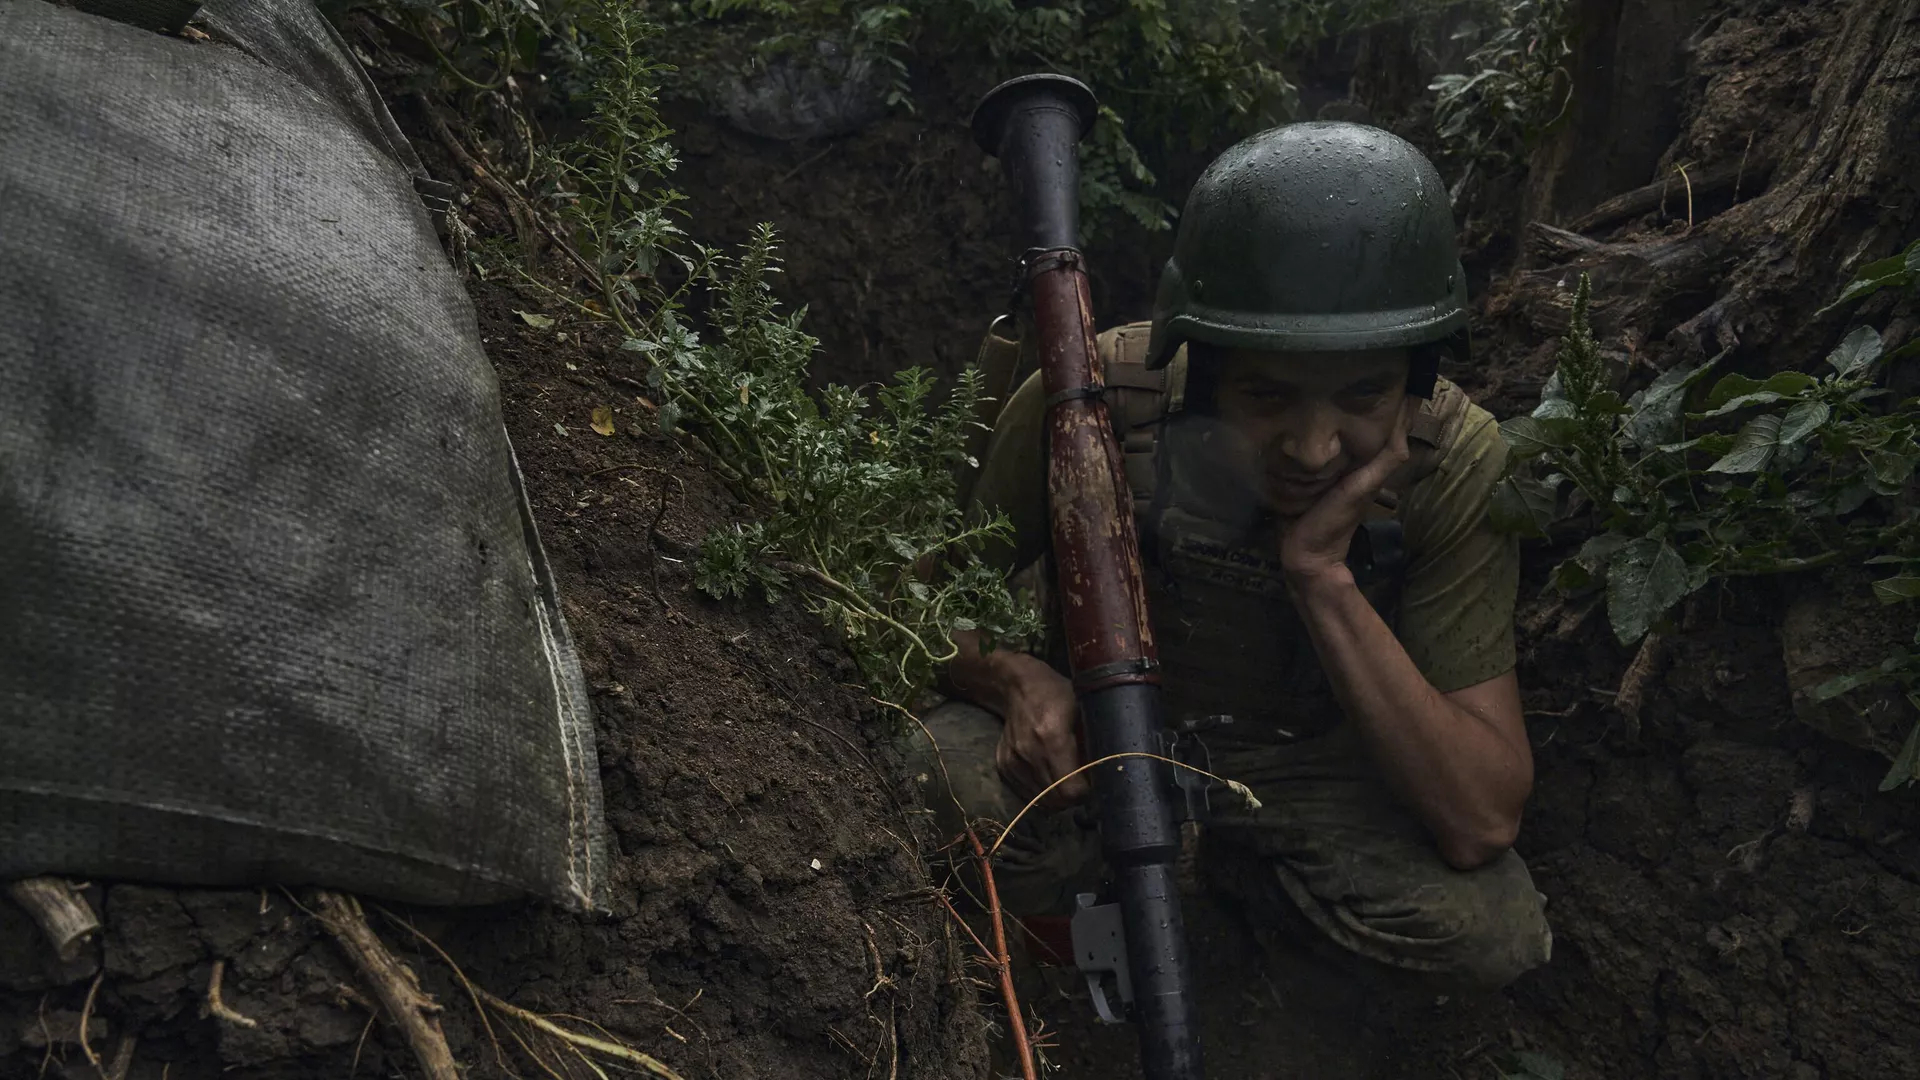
{"points": [[1033, 125]]}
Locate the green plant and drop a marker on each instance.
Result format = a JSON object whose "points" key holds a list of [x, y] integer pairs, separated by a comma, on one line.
{"points": [[1173, 75], [855, 496], [608, 188], [1818, 471], [1515, 88]]}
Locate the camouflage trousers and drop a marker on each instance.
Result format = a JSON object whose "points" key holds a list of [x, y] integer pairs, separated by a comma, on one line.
{"points": [[1330, 857]]}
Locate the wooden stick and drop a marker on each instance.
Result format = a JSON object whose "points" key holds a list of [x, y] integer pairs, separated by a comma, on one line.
{"points": [[63, 914], [1016, 1023], [392, 982]]}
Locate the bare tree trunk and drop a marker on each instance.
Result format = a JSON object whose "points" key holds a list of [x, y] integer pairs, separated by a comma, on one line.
{"points": [[1628, 57], [1796, 161]]}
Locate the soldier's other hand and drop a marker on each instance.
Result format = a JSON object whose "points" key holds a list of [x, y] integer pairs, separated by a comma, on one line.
{"points": [[1038, 744], [1313, 547]]}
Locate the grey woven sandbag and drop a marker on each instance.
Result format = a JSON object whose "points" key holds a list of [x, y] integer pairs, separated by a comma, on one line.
{"points": [[272, 607]]}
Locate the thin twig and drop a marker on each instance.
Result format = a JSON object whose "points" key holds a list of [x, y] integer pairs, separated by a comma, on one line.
{"points": [[577, 1040], [1016, 1021], [1234, 786], [573, 1040], [525, 217], [795, 171], [86, 1015], [986, 953], [391, 981]]}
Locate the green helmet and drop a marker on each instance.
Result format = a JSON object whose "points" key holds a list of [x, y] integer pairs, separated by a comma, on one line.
{"points": [[1320, 236]]}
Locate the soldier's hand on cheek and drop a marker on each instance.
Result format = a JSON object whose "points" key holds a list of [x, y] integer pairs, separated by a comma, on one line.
{"points": [[1038, 744], [1314, 545]]}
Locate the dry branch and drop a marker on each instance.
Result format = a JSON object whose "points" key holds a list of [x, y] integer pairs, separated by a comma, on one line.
{"points": [[1016, 1023], [392, 982], [63, 914]]}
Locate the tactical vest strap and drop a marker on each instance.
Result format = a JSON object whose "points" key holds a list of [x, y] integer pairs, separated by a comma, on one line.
{"points": [[1137, 402]]}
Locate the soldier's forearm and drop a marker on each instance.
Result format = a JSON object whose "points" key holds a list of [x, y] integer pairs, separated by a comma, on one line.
{"points": [[1457, 771]]}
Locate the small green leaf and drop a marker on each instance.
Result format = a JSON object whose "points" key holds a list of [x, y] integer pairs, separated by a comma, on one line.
{"points": [[1654, 413], [1646, 577], [1753, 448], [1730, 387], [1854, 354], [1570, 577], [1780, 386], [1523, 506], [538, 322], [1895, 589], [1599, 550], [1528, 437], [1802, 420], [1890, 469], [1906, 766]]}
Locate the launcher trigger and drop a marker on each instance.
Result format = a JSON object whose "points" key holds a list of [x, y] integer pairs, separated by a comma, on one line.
{"points": [[1100, 952]]}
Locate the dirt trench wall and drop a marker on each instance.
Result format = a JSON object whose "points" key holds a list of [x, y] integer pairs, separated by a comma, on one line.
{"points": [[1730, 894], [770, 916]]}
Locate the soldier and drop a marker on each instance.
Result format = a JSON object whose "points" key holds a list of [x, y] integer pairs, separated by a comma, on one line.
{"points": [[1330, 601]]}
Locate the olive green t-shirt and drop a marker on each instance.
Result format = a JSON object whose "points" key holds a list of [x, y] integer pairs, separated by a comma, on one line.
{"points": [[1456, 613]]}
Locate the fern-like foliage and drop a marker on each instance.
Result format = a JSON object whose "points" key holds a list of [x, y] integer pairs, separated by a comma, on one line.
{"points": [[855, 494]]}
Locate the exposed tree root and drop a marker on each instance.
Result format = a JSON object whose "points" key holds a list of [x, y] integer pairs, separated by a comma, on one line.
{"points": [[216, 1005], [62, 913], [1631, 696], [560, 1040], [392, 982]]}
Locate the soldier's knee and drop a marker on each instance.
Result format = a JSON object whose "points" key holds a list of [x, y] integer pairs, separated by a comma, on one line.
{"points": [[1489, 927], [952, 755]]}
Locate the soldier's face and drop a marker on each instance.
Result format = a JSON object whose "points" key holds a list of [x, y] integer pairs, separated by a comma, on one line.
{"points": [[1309, 418]]}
